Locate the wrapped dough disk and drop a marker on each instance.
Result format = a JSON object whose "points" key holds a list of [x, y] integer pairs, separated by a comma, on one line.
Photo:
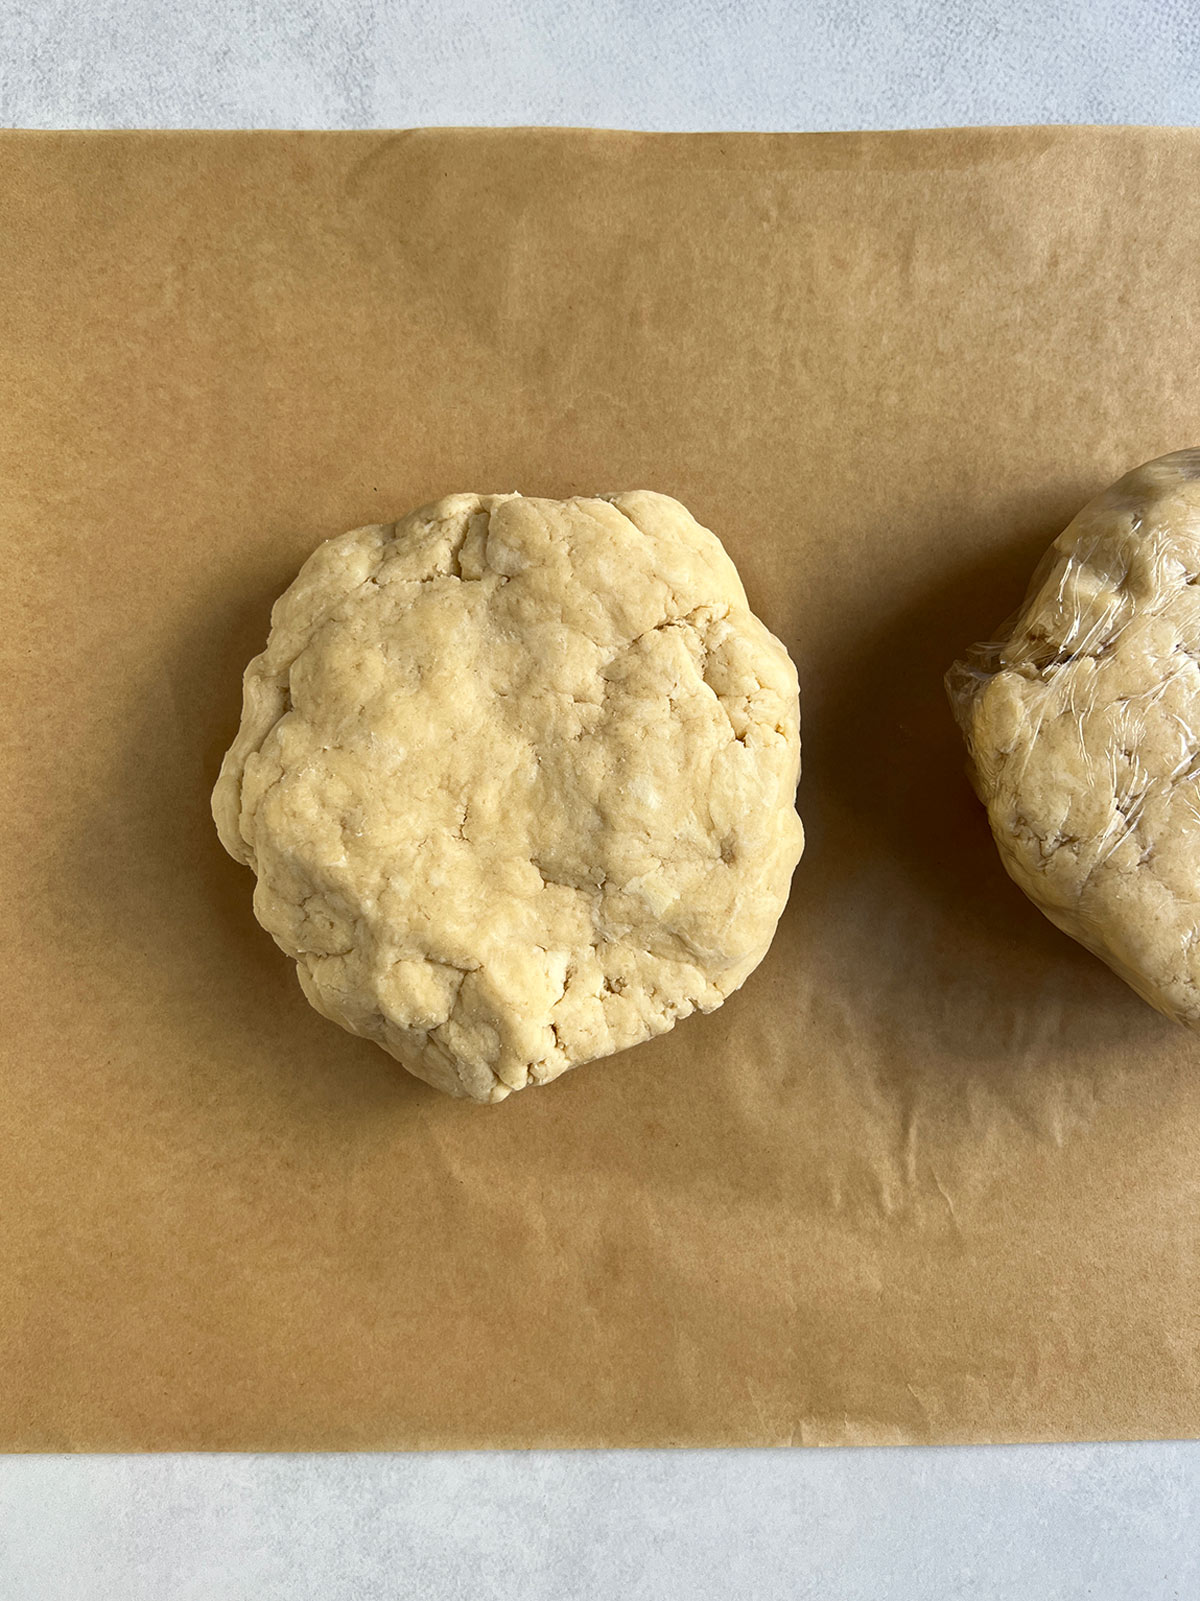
{"points": [[1083, 729]]}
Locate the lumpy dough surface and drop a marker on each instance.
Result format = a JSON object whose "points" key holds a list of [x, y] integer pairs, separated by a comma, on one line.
{"points": [[1084, 732], [516, 778]]}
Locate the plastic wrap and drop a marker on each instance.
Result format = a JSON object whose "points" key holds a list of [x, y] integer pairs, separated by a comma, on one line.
{"points": [[1083, 728]]}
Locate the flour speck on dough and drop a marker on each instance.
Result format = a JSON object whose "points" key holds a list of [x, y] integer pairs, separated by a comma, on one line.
{"points": [[516, 778], [1083, 727]]}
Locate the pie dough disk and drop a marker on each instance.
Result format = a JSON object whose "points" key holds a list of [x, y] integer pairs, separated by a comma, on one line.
{"points": [[1083, 728], [516, 778]]}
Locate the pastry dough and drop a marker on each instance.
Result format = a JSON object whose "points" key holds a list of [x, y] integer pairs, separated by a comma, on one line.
{"points": [[517, 779]]}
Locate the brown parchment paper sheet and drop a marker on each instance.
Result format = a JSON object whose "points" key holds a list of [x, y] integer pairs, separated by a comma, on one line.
{"points": [[933, 1174]]}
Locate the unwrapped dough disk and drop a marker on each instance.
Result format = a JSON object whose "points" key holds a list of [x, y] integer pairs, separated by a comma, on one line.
{"points": [[517, 781], [1083, 728]]}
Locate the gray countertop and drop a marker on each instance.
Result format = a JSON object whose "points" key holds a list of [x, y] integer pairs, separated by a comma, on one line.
{"points": [[1024, 1523], [685, 64], [1102, 1521]]}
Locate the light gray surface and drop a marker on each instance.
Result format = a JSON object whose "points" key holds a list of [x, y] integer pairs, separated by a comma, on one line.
{"points": [[1024, 1524], [607, 63], [1111, 1523]]}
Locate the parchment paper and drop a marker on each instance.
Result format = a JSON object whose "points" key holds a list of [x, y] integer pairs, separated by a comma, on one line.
{"points": [[933, 1174]]}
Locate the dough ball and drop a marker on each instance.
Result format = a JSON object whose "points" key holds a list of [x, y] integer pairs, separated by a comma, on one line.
{"points": [[1083, 727], [517, 781]]}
